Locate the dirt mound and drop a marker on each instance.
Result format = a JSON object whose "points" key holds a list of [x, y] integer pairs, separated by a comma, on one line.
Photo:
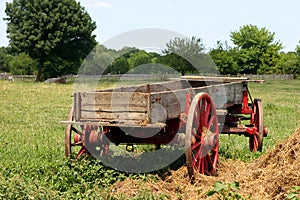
{"points": [[269, 177]]}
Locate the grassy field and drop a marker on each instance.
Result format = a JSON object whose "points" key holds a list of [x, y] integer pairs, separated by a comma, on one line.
{"points": [[33, 165]]}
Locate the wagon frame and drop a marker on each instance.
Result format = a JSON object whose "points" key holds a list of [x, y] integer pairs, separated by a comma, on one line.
{"points": [[203, 106]]}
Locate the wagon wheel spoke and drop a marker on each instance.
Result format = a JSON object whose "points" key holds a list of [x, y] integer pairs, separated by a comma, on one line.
{"points": [[68, 134], [215, 149], [81, 152], [202, 136], [197, 156], [210, 123], [195, 135], [209, 161], [196, 145], [216, 154], [77, 144], [76, 131], [206, 114]]}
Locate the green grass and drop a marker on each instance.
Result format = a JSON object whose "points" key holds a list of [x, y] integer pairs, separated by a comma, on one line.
{"points": [[33, 164]]}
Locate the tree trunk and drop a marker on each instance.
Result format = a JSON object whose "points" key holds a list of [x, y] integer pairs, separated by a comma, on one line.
{"points": [[40, 70]]}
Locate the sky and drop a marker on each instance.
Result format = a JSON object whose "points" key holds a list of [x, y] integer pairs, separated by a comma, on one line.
{"points": [[211, 20]]}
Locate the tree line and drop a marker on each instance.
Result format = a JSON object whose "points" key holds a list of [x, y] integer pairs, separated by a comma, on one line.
{"points": [[51, 38]]}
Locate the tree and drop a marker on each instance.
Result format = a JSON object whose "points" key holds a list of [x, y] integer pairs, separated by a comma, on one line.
{"points": [[119, 66], [256, 48], [288, 63], [127, 51], [225, 58], [137, 59], [187, 55], [298, 58], [49, 30], [99, 60]]}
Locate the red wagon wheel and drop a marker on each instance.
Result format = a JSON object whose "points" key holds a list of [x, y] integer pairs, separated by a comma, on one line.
{"points": [[68, 135], [202, 136], [75, 139], [257, 120]]}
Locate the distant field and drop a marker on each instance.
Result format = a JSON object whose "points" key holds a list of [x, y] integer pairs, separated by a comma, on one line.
{"points": [[32, 162]]}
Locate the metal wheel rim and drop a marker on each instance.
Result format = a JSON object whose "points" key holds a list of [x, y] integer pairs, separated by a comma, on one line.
{"points": [[256, 141]]}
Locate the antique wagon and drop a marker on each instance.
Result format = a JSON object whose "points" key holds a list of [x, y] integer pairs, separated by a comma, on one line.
{"points": [[203, 107]]}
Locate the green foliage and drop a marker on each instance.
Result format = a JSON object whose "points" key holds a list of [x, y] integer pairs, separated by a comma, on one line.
{"points": [[187, 55], [177, 62], [254, 52], [99, 61], [185, 46], [119, 66], [5, 58], [225, 58], [138, 58], [298, 58], [226, 191], [127, 51], [294, 193], [288, 64], [50, 30], [257, 50], [146, 194], [22, 64]]}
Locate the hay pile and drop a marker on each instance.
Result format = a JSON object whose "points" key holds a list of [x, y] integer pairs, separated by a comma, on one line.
{"points": [[269, 177]]}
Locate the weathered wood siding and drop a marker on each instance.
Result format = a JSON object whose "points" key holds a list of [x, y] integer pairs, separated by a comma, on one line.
{"points": [[114, 107], [149, 104], [173, 102]]}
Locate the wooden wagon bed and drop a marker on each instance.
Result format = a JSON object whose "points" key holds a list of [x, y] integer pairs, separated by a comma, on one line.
{"points": [[151, 105]]}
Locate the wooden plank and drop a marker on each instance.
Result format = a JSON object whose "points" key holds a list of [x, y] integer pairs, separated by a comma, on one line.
{"points": [[114, 101], [224, 93], [115, 108], [121, 124], [154, 87], [173, 103], [77, 106], [114, 116], [234, 93], [214, 79]]}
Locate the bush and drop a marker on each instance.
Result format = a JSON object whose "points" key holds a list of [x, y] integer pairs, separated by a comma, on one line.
{"points": [[22, 64]]}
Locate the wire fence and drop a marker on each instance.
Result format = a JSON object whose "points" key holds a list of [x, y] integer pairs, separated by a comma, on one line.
{"points": [[7, 76]]}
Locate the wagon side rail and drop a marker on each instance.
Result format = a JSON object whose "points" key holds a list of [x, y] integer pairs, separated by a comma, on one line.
{"points": [[130, 108]]}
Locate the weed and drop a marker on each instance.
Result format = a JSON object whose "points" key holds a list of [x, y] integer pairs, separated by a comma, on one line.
{"points": [[294, 194], [226, 191]]}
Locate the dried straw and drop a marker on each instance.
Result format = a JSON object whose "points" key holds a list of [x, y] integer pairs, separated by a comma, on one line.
{"points": [[268, 177]]}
